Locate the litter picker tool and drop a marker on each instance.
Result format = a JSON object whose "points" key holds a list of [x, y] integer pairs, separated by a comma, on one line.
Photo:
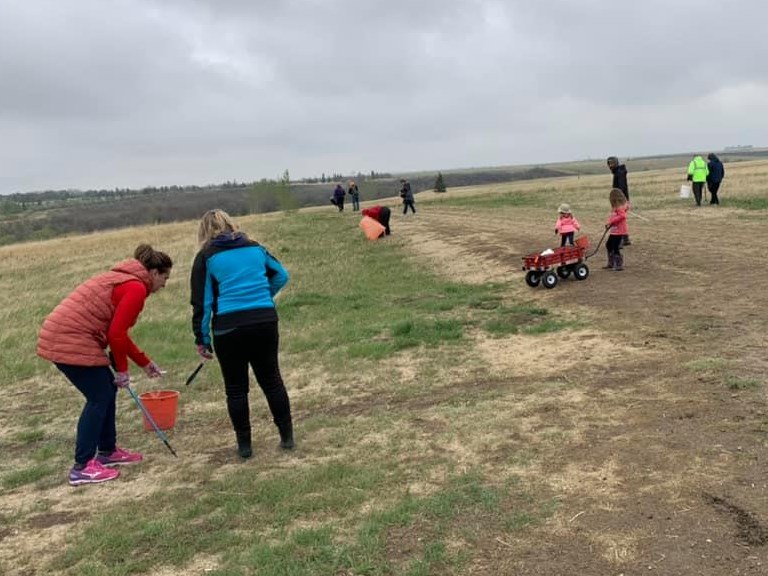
{"points": [[148, 416]]}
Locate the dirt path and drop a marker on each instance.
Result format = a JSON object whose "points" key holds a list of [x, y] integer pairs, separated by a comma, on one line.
{"points": [[668, 472]]}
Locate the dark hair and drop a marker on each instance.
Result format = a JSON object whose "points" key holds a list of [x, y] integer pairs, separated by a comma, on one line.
{"points": [[153, 259]]}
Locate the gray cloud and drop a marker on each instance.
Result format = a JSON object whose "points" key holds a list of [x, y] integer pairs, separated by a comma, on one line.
{"points": [[104, 93]]}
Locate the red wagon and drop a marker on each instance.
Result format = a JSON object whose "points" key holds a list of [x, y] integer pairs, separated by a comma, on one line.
{"points": [[560, 262]]}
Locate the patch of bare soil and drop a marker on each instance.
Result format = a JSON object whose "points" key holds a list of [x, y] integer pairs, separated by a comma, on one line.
{"points": [[659, 464]]}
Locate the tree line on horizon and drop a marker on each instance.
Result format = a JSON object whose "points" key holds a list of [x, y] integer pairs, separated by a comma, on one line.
{"points": [[118, 209]]}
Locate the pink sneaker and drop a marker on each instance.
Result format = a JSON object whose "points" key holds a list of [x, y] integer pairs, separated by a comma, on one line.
{"points": [[119, 456], [93, 473]]}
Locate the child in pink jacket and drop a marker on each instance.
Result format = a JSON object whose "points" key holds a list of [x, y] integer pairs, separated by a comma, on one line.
{"points": [[617, 224], [566, 225]]}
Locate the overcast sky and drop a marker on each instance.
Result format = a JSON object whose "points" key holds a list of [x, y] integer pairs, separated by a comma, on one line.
{"points": [[106, 93]]}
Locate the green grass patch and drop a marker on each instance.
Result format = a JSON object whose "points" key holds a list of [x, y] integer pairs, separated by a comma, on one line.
{"points": [[707, 365], [28, 475], [737, 383], [517, 199], [549, 325], [29, 436], [524, 318], [748, 203]]}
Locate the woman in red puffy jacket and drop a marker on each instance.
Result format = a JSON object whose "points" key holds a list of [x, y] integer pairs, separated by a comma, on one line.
{"points": [[98, 315]]}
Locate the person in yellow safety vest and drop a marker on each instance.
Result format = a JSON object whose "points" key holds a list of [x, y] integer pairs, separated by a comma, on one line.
{"points": [[697, 173]]}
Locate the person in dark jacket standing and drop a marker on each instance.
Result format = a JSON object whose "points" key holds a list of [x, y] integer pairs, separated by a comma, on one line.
{"points": [[233, 283], [619, 172], [407, 195], [338, 197], [354, 193], [715, 177]]}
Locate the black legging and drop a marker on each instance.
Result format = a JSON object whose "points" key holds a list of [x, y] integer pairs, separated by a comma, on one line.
{"points": [[257, 346], [713, 187], [384, 216], [613, 245], [698, 188]]}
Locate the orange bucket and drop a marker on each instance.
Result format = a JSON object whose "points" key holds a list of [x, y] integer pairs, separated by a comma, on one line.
{"points": [[162, 405]]}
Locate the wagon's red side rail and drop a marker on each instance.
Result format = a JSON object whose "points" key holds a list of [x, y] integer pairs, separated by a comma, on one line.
{"points": [[559, 257]]}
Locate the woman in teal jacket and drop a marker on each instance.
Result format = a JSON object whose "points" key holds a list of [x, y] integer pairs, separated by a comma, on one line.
{"points": [[233, 283]]}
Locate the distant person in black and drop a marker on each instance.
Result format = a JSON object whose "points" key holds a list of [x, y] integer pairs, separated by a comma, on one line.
{"points": [[407, 195], [619, 172], [715, 177]]}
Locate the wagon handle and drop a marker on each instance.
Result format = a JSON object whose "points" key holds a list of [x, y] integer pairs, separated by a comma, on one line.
{"points": [[588, 256]]}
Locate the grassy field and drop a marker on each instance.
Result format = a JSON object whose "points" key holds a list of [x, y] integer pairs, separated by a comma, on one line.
{"points": [[449, 419]]}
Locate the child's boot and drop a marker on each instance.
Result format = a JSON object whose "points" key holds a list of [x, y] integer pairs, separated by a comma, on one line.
{"points": [[619, 265], [609, 265]]}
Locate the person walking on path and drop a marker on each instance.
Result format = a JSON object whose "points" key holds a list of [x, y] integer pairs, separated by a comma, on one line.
{"points": [[619, 172], [233, 284], [381, 214], [407, 195], [338, 197], [617, 224], [697, 174], [98, 315], [566, 225], [716, 173], [354, 193]]}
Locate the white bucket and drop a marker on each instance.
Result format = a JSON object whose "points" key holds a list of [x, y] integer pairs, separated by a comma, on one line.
{"points": [[685, 191]]}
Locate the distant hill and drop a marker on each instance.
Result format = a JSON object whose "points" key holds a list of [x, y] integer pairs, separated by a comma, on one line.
{"points": [[43, 215]]}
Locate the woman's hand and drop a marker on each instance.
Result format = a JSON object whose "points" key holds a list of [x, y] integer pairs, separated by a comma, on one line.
{"points": [[153, 370], [122, 379], [204, 351]]}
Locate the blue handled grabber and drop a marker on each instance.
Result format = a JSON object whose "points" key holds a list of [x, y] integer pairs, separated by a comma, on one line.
{"points": [[160, 433]]}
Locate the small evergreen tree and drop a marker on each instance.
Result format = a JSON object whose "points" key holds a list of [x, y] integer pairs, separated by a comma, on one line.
{"points": [[439, 183]]}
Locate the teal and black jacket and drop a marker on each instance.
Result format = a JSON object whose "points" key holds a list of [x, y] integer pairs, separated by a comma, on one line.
{"points": [[233, 282]]}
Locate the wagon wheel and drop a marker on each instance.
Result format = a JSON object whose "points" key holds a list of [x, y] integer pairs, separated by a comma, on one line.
{"points": [[549, 279], [563, 271], [532, 278], [580, 271]]}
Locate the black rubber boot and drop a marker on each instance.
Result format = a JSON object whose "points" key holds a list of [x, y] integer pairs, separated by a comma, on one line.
{"points": [[244, 444], [286, 436]]}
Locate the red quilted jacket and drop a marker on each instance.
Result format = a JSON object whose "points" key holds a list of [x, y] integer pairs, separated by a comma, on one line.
{"points": [[76, 331]]}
